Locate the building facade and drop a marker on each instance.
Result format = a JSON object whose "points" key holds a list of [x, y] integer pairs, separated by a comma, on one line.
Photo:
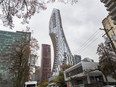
{"points": [[36, 76], [76, 59], [111, 7], [45, 62], [62, 53], [32, 63], [7, 41], [85, 74], [110, 30]]}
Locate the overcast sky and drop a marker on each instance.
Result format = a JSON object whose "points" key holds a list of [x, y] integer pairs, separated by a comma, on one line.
{"points": [[81, 23]]}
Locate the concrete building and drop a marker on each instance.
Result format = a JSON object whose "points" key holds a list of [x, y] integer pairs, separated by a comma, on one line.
{"points": [[85, 74], [32, 63], [110, 30], [111, 7], [62, 53], [36, 76], [76, 59], [45, 62], [7, 42], [87, 59]]}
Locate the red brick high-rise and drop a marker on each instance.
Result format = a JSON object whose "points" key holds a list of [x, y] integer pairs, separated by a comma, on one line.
{"points": [[45, 62]]}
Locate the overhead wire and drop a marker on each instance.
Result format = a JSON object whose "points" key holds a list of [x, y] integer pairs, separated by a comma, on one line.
{"points": [[89, 39], [90, 43]]}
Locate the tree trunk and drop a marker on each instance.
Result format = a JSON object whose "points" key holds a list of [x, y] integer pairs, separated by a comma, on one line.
{"points": [[106, 79]]}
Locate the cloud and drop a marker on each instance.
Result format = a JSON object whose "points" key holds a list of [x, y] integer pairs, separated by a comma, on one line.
{"points": [[79, 22]]}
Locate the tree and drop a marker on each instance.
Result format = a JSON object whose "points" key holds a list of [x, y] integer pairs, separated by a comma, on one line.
{"points": [[22, 9], [65, 66], [22, 49], [43, 84], [60, 78], [107, 60]]}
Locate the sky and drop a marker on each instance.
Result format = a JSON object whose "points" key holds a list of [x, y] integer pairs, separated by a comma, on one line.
{"points": [[81, 23]]}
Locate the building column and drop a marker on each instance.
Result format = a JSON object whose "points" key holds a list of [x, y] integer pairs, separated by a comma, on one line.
{"points": [[88, 79]]}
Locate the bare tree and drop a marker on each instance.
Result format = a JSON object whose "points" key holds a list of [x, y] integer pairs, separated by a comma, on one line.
{"points": [[20, 60], [22, 9], [107, 60]]}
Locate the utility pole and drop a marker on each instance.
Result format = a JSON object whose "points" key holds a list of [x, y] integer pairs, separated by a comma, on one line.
{"points": [[106, 32]]}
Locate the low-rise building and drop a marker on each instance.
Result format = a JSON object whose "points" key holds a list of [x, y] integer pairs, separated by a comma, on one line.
{"points": [[85, 74]]}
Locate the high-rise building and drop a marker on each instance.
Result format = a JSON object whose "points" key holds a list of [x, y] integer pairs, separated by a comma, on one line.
{"points": [[45, 62], [7, 41], [62, 53], [110, 30], [111, 7]]}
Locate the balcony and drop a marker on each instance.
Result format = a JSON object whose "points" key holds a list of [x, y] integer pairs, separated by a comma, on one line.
{"points": [[108, 3], [113, 11], [111, 6], [104, 1], [114, 22], [114, 17]]}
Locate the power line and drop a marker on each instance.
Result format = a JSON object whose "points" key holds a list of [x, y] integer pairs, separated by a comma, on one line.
{"points": [[89, 39], [90, 43]]}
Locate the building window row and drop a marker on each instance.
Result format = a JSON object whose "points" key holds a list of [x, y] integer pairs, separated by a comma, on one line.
{"points": [[74, 71]]}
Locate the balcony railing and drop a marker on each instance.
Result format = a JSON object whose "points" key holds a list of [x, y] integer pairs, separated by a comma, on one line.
{"points": [[114, 17], [113, 11], [104, 1], [108, 3], [111, 6], [114, 22]]}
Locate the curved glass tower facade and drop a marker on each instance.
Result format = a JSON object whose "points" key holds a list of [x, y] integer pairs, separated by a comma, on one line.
{"points": [[62, 53]]}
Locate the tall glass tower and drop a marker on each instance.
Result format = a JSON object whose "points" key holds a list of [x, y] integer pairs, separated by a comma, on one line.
{"points": [[62, 53]]}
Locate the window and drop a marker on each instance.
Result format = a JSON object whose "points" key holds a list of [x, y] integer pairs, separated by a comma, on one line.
{"points": [[31, 85], [54, 20]]}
